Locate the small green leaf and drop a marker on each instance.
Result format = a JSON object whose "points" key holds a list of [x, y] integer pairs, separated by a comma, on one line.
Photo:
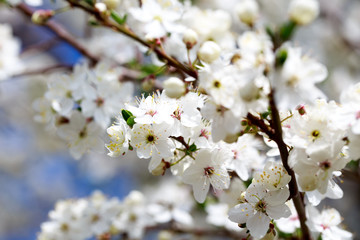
{"points": [[287, 30], [281, 57], [131, 121], [270, 32], [117, 18], [192, 147], [264, 115], [126, 114], [90, 2]]}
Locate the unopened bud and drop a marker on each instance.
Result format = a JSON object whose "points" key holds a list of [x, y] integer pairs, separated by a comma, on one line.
{"points": [[271, 233], [160, 169], [174, 87], [301, 109], [303, 12], [190, 38], [247, 11], [42, 16], [111, 4], [165, 235], [148, 83], [101, 7], [209, 51]]}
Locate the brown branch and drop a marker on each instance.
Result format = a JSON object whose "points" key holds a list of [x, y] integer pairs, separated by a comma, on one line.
{"points": [[181, 140], [294, 192], [260, 124], [40, 47], [274, 131], [106, 22], [61, 32], [43, 70]]}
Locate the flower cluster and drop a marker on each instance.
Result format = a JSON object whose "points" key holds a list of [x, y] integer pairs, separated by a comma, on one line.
{"points": [[79, 105], [222, 85], [99, 216]]}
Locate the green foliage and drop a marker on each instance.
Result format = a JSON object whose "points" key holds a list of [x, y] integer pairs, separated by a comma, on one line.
{"points": [[281, 57], [126, 114], [287, 30], [128, 117], [117, 18]]}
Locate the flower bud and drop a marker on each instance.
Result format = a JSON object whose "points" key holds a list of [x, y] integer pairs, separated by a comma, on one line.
{"points": [[301, 109], [160, 169], [271, 234], [165, 235], [174, 87], [190, 38], [209, 51], [101, 7], [148, 83], [111, 4], [42, 16], [247, 11], [303, 12]]}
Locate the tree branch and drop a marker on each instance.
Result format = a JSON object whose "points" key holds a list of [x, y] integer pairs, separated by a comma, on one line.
{"points": [[61, 32], [294, 192], [106, 22]]}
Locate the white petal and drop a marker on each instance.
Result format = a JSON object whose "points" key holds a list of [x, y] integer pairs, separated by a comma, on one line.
{"points": [[258, 224], [276, 212], [278, 197], [201, 188], [241, 212]]}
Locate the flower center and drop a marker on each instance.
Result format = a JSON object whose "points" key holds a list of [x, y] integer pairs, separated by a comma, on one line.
{"points": [[151, 112], [208, 171], [83, 133], [217, 84], [315, 134], [260, 206], [150, 138], [99, 101], [325, 165]]}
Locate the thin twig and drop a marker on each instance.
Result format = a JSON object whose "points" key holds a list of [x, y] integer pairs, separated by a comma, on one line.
{"points": [[61, 32], [106, 22], [40, 47], [44, 70]]}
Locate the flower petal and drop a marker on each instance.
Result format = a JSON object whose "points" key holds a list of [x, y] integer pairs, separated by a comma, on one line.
{"points": [[241, 212], [258, 224]]}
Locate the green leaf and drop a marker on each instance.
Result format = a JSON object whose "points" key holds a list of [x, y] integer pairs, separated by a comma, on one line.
{"points": [[248, 182], [281, 57], [117, 18], [192, 147], [126, 114], [90, 2], [287, 30], [264, 115], [131, 121], [270, 32]]}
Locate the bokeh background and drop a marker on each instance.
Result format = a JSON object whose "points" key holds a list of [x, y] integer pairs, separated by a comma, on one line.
{"points": [[36, 169]]}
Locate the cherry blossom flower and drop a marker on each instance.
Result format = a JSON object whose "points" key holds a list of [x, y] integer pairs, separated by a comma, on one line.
{"points": [[208, 169], [259, 208]]}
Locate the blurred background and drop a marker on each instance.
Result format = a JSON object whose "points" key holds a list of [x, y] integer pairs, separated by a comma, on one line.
{"points": [[36, 169]]}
